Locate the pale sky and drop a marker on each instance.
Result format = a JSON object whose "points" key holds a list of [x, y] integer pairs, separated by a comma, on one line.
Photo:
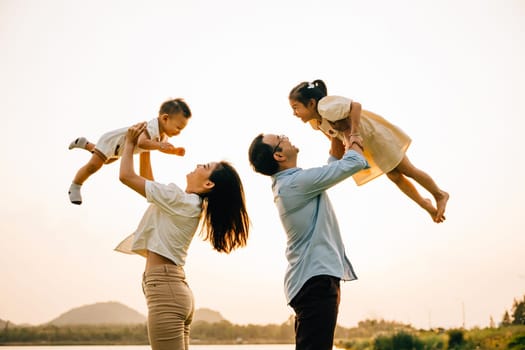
{"points": [[449, 73]]}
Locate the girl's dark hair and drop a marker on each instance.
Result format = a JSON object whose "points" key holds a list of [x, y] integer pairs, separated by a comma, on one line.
{"points": [[225, 217], [175, 106], [305, 91], [261, 157]]}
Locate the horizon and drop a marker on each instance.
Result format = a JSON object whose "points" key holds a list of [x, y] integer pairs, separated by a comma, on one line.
{"points": [[450, 74], [207, 309]]}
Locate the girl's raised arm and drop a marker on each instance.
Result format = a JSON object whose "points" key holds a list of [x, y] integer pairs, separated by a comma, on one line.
{"points": [[355, 123]]}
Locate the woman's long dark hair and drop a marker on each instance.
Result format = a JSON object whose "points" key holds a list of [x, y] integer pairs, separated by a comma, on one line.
{"points": [[225, 218]]}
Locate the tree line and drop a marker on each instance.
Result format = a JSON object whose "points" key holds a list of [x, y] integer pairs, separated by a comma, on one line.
{"points": [[517, 314], [201, 332], [383, 335], [370, 334]]}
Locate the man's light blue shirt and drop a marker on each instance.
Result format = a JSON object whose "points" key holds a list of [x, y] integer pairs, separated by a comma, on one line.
{"points": [[314, 243]]}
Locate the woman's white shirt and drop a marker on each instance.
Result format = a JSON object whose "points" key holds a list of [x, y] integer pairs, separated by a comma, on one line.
{"points": [[168, 225]]}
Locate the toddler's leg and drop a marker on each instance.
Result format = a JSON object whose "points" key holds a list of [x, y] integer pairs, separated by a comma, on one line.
{"points": [[83, 143], [91, 167], [74, 194], [441, 197]]}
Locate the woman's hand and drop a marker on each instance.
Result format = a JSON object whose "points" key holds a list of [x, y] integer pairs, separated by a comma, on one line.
{"points": [[134, 132]]}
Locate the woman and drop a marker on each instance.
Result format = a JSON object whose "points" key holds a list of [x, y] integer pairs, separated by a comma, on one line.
{"points": [[213, 194]]}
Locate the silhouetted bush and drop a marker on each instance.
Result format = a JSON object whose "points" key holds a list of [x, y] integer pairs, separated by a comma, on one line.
{"points": [[455, 339], [517, 342], [398, 341]]}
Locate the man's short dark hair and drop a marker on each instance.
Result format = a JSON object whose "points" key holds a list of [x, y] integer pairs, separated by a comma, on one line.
{"points": [[261, 157]]}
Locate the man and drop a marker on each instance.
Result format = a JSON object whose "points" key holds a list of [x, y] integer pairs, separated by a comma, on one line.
{"points": [[315, 251]]}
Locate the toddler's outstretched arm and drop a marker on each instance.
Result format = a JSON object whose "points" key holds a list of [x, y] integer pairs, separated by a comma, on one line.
{"points": [[166, 147], [146, 143]]}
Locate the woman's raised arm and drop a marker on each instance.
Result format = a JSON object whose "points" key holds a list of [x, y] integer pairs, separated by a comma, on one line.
{"points": [[127, 175]]}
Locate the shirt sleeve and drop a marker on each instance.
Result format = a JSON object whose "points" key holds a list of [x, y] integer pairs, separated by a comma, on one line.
{"points": [[334, 108], [172, 199], [316, 180]]}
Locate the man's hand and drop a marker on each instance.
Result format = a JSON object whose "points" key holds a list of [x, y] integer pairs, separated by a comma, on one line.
{"points": [[354, 142], [356, 138], [340, 125]]}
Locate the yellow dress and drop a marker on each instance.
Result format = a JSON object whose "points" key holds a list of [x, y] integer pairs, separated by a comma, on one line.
{"points": [[384, 143]]}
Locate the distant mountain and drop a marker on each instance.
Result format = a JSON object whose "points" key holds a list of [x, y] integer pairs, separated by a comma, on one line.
{"points": [[207, 315], [100, 313], [117, 313]]}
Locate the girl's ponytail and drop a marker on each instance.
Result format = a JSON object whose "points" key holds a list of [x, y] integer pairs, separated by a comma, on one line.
{"points": [[306, 91]]}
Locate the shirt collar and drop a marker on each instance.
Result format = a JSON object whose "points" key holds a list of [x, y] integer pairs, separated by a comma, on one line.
{"points": [[283, 173]]}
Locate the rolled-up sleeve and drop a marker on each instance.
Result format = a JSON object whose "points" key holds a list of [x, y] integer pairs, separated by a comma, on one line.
{"points": [[316, 180]]}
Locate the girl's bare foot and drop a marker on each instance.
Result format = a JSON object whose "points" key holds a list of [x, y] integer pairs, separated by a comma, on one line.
{"points": [[441, 204], [439, 219], [427, 205]]}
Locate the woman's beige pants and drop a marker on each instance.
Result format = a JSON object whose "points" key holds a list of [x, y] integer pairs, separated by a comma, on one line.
{"points": [[170, 307]]}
